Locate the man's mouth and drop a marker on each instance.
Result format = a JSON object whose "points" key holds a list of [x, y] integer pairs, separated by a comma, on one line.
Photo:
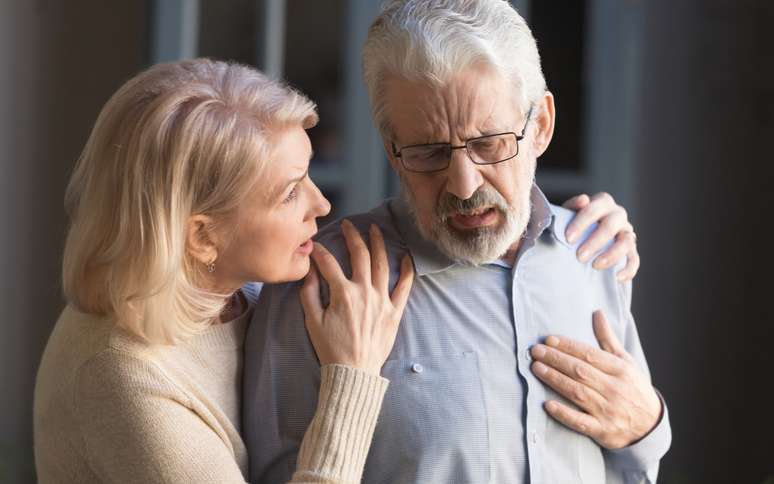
{"points": [[479, 217]]}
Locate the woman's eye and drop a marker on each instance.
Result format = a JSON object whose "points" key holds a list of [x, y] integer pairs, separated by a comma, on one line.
{"points": [[292, 195]]}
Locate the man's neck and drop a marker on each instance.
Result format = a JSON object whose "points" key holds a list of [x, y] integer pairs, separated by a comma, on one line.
{"points": [[510, 254]]}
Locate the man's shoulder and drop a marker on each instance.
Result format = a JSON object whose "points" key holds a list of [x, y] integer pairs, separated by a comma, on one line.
{"points": [[382, 216], [562, 218]]}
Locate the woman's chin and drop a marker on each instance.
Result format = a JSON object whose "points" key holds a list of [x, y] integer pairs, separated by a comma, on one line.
{"points": [[297, 270]]}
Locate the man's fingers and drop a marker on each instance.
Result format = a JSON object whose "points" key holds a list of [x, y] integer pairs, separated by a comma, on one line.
{"points": [[631, 268], [586, 398], [573, 367], [595, 357], [328, 266], [380, 271], [400, 293], [600, 205], [623, 245], [310, 297], [358, 252], [606, 337], [577, 421], [577, 202]]}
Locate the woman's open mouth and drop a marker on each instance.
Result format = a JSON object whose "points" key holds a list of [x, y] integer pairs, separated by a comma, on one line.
{"points": [[306, 248]]}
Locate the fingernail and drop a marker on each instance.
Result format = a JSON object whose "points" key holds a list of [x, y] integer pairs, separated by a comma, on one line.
{"points": [[539, 368], [584, 255], [551, 405], [552, 341], [600, 263], [571, 236], [538, 351]]}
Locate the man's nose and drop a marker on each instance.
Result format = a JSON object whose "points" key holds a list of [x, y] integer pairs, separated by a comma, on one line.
{"points": [[464, 176]]}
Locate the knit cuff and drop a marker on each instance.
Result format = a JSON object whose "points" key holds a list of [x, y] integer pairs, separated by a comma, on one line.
{"points": [[337, 441]]}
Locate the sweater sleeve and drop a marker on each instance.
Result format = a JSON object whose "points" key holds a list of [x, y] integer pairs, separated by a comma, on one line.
{"points": [[138, 427], [336, 444]]}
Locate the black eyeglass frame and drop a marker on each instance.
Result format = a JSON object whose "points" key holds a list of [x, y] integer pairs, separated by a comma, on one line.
{"points": [[397, 153]]}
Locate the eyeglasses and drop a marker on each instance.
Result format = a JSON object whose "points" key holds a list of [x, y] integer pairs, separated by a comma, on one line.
{"points": [[482, 150]]}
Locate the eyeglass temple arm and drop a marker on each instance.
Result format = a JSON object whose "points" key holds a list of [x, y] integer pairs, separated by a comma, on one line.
{"points": [[524, 129]]}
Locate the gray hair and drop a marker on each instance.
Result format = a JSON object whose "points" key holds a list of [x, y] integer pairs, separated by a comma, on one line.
{"points": [[429, 41]]}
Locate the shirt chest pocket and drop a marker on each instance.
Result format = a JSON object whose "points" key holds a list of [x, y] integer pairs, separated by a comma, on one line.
{"points": [[433, 423]]}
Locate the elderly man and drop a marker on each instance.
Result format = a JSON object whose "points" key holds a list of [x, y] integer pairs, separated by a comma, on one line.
{"points": [[515, 361]]}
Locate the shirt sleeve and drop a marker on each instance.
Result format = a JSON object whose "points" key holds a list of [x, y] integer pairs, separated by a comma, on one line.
{"points": [[337, 441], [639, 462], [137, 427]]}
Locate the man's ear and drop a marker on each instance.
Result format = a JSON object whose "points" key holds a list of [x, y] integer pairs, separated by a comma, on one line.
{"points": [[388, 149], [201, 241], [544, 120]]}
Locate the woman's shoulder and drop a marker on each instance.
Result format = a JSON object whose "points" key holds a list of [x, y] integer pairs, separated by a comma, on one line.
{"points": [[88, 343], [120, 375], [79, 336]]}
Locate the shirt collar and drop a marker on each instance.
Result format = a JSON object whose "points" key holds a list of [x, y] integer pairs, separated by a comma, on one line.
{"points": [[428, 259]]}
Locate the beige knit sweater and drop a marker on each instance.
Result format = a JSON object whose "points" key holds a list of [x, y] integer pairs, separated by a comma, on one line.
{"points": [[110, 409]]}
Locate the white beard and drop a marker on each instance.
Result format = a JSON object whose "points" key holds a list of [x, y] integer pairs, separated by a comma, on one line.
{"points": [[475, 246]]}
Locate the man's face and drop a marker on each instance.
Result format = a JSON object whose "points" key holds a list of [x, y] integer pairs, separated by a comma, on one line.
{"points": [[473, 213]]}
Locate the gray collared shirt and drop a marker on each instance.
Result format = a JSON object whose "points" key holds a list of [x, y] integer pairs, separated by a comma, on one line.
{"points": [[463, 404]]}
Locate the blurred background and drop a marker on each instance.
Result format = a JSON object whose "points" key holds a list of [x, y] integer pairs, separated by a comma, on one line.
{"points": [[667, 105]]}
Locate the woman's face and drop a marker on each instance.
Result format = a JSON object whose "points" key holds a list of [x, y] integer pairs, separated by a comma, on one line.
{"points": [[270, 239]]}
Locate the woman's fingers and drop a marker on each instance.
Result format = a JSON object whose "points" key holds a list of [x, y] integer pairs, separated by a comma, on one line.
{"points": [[621, 248], [328, 266], [631, 268], [358, 252], [402, 289], [380, 272], [310, 297], [578, 202], [606, 231], [601, 204]]}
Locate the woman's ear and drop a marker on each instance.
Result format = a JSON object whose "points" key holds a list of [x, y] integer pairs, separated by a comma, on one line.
{"points": [[544, 120], [201, 242]]}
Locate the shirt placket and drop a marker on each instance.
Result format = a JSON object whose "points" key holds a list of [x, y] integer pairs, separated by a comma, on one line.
{"points": [[526, 335]]}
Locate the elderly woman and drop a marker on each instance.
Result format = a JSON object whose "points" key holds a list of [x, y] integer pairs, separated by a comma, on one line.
{"points": [[193, 183]]}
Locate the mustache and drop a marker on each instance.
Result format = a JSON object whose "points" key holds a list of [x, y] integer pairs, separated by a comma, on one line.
{"points": [[484, 196]]}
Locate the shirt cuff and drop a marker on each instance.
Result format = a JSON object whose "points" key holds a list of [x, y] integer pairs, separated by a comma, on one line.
{"points": [[646, 453], [337, 441]]}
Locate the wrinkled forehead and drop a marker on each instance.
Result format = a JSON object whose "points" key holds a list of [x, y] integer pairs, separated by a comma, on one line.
{"points": [[474, 102]]}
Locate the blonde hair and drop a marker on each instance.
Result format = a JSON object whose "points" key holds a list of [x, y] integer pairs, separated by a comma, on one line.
{"points": [[426, 41], [181, 138]]}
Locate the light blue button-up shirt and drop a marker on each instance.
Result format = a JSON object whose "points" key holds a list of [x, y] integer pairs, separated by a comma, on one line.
{"points": [[463, 405]]}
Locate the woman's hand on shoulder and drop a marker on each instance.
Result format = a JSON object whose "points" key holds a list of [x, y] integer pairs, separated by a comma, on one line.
{"points": [[359, 326], [613, 225]]}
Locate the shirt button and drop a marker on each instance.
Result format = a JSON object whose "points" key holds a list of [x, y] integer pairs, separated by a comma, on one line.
{"points": [[417, 368], [527, 355]]}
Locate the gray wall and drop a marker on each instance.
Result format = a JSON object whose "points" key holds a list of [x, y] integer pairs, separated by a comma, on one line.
{"points": [[704, 195], [703, 188], [61, 61]]}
